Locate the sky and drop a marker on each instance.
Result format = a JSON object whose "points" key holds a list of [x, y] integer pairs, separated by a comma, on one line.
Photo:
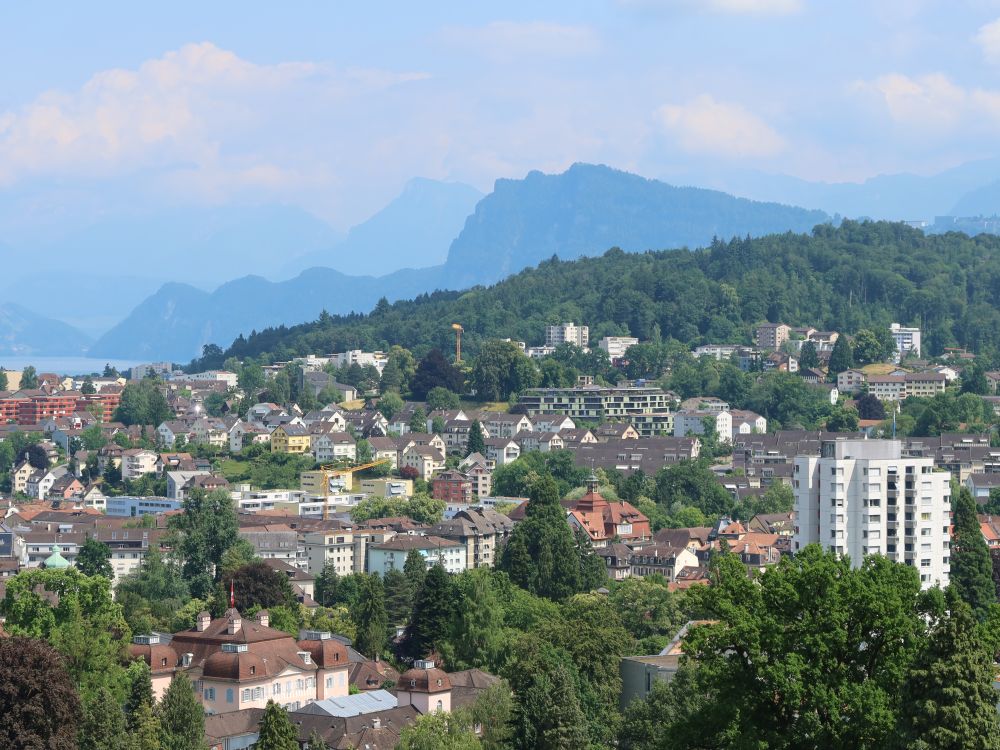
{"points": [[334, 106]]}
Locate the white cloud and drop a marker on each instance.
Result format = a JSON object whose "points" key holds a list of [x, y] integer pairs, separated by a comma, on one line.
{"points": [[707, 126], [932, 102], [988, 39], [510, 40], [737, 7], [201, 107]]}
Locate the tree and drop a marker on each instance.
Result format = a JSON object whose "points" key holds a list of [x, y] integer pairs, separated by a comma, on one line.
{"points": [[256, 585], [873, 345], [390, 404], [434, 371], [971, 569], [808, 358], [143, 403], [88, 389], [398, 596], [541, 554], [547, 713], [439, 398], [316, 742], [842, 357], [35, 455], [477, 632], [974, 380], [251, 378], [842, 420], [85, 624], [438, 731], [502, 369], [948, 697], [753, 677], [103, 726], [432, 610], [370, 617], [206, 529], [29, 378], [182, 718], [94, 559], [415, 570], [418, 421], [110, 372], [326, 584], [477, 443], [276, 731], [39, 705], [422, 509], [3, 380], [869, 407]]}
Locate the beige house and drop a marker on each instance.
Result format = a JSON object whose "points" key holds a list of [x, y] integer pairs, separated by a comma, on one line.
{"points": [[425, 459], [137, 462]]}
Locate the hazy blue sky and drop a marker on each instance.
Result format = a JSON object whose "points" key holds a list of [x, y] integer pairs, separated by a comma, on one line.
{"points": [[333, 106]]}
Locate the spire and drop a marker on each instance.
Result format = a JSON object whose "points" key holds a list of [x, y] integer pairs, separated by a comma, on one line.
{"points": [[592, 481]]}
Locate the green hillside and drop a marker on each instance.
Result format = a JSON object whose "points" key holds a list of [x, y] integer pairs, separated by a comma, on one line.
{"points": [[842, 279]]}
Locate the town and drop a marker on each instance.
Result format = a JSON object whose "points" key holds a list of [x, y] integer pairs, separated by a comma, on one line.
{"points": [[288, 533]]}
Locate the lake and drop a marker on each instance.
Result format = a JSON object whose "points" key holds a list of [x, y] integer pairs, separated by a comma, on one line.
{"points": [[63, 365]]}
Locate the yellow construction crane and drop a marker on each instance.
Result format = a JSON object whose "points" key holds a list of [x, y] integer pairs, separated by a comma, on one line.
{"points": [[329, 471], [458, 341]]}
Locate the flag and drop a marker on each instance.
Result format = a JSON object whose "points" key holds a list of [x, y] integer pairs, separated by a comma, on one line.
{"points": [[232, 593]]}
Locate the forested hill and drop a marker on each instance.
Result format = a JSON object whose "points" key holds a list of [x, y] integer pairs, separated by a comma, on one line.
{"points": [[842, 278]]}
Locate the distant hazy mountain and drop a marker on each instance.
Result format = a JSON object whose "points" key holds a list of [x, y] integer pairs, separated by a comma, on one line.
{"points": [[414, 230], [983, 201], [898, 197], [588, 208], [583, 211], [178, 320], [24, 332]]}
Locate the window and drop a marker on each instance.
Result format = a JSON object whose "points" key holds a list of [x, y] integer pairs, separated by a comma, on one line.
{"points": [[253, 669], [276, 690], [229, 695], [246, 695], [210, 694], [329, 682]]}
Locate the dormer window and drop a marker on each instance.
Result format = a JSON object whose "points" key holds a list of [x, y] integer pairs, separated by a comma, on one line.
{"points": [[253, 669]]}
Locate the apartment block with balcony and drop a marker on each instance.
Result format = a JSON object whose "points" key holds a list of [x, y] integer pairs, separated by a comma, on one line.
{"points": [[863, 497], [567, 333]]}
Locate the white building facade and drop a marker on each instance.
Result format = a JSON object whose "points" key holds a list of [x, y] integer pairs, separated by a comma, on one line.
{"points": [[862, 497]]}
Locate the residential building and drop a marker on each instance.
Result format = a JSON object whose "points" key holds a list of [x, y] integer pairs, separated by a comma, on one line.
{"points": [[851, 381], [887, 387], [237, 664], [604, 521], [862, 497], [501, 451], [907, 340], [476, 468], [391, 554], [596, 403], [925, 384], [333, 546], [616, 346], [452, 487], [426, 460], [130, 507], [567, 333], [137, 462], [695, 423], [290, 438], [329, 445], [480, 530], [661, 559], [772, 335]]}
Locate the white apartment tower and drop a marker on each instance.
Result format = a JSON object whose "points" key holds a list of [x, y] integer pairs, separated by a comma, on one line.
{"points": [[907, 340], [863, 497], [567, 333]]}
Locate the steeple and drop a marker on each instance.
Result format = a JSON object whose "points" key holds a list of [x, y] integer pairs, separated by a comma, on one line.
{"points": [[592, 482]]}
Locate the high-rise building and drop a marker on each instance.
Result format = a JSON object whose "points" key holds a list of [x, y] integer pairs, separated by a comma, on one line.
{"points": [[567, 333], [616, 346], [863, 497], [907, 340]]}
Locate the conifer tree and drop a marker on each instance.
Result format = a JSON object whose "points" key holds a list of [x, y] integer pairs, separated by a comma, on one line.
{"points": [[370, 618], [276, 730], [415, 570], [182, 719], [144, 728], [477, 443], [103, 726], [842, 357], [948, 698], [547, 714], [971, 568], [398, 597], [431, 614], [316, 742]]}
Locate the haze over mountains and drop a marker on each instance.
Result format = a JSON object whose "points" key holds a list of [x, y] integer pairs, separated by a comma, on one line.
{"points": [[583, 211], [247, 261]]}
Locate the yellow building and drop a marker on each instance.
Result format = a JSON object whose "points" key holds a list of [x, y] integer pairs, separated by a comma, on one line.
{"points": [[290, 438], [324, 483]]}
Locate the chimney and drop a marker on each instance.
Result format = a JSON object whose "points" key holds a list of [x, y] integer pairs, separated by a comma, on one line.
{"points": [[235, 622], [204, 618], [264, 618], [376, 723]]}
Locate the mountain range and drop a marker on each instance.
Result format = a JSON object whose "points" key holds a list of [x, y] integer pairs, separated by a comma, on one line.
{"points": [[583, 211]]}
